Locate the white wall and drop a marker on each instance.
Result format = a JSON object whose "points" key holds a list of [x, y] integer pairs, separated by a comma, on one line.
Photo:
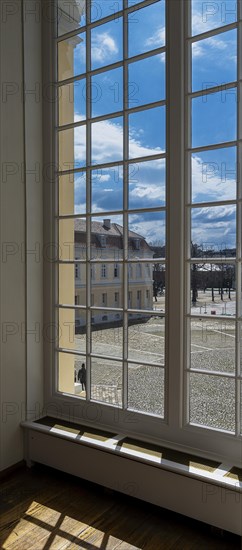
{"points": [[21, 224]]}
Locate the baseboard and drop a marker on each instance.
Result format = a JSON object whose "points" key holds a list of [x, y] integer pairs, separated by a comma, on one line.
{"points": [[12, 469]]}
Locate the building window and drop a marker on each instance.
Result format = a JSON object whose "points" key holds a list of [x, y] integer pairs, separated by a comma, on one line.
{"points": [[116, 299], [77, 271], [104, 299], [137, 244], [103, 271], [138, 271], [114, 146], [103, 241]]}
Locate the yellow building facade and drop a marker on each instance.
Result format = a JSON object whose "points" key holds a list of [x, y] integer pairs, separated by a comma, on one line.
{"points": [[107, 272]]}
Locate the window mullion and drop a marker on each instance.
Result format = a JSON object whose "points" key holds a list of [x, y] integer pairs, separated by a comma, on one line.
{"points": [[175, 178], [239, 223], [88, 201], [125, 207]]}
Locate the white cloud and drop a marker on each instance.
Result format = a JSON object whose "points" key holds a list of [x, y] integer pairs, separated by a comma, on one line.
{"points": [[105, 177], [212, 46], [201, 22], [103, 46], [78, 117], [147, 190], [215, 225], [211, 15], [157, 40], [213, 213], [208, 182], [150, 229], [107, 143]]}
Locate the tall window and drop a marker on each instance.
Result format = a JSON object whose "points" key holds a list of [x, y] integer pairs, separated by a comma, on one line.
{"points": [[213, 204], [149, 135]]}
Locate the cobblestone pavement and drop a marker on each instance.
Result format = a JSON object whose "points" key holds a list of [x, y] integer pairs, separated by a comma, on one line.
{"points": [[212, 350], [105, 394]]}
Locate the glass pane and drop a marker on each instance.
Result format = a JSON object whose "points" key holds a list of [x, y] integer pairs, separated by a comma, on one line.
{"points": [[107, 92], [141, 89], [106, 286], [72, 329], [72, 284], [212, 401], [159, 283], [214, 61], [147, 131], [104, 8], [72, 56], [72, 102], [107, 141], [107, 239], [147, 184], [211, 15], [106, 381], [106, 43], [146, 286], [72, 239], [213, 289], [213, 345], [214, 118], [107, 333], [140, 277], [146, 389], [146, 339], [72, 194], [70, 15], [72, 148], [146, 230], [133, 2], [214, 175], [148, 22], [214, 231], [107, 189], [68, 380]]}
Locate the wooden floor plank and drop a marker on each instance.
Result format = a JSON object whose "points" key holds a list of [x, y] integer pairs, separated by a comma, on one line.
{"points": [[42, 509]]}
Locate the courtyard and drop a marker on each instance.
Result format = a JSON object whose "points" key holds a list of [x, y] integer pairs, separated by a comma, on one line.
{"points": [[212, 360]]}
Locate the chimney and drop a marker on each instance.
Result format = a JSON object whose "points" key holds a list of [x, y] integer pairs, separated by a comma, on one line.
{"points": [[107, 223]]}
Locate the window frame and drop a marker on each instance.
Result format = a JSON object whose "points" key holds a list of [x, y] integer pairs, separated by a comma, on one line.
{"points": [[172, 429]]}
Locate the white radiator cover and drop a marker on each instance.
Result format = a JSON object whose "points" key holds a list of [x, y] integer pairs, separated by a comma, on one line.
{"points": [[203, 500]]}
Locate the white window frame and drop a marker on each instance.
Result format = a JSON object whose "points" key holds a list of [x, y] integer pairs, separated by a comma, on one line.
{"points": [[173, 428]]}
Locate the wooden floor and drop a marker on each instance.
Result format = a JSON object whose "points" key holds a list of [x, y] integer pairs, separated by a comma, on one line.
{"points": [[44, 509]]}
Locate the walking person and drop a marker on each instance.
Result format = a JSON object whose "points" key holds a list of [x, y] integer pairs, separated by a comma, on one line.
{"points": [[82, 376]]}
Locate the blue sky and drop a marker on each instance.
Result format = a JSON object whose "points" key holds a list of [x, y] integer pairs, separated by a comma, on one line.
{"points": [[213, 119]]}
